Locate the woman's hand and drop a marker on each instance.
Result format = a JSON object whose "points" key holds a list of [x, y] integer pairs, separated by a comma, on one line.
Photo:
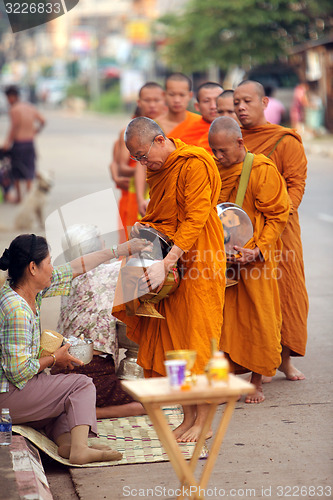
{"points": [[153, 278], [134, 246], [247, 255], [64, 359]]}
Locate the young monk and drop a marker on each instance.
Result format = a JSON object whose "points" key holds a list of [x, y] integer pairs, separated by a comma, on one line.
{"points": [[284, 147], [225, 105], [187, 179], [252, 315], [207, 94]]}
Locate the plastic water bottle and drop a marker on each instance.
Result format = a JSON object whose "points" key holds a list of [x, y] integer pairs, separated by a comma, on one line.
{"points": [[5, 427]]}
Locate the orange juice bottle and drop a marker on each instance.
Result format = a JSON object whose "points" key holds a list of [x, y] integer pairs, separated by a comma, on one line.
{"points": [[218, 367]]}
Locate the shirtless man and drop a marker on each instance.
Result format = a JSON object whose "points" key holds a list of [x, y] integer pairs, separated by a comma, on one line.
{"points": [[225, 105], [26, 122]]}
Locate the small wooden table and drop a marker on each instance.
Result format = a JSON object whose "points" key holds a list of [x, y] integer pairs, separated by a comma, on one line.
{"points": [[154, 393]]}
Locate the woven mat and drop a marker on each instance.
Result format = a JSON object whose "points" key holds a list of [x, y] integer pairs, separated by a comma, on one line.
{"points": [[135, 437]]}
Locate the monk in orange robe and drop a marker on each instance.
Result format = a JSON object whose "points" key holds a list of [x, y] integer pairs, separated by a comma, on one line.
{"points": [[122, 183], [284, 147], [252, 315], [150, 103], [184, 188], [175, 122], [207, 94], [225, 105]]}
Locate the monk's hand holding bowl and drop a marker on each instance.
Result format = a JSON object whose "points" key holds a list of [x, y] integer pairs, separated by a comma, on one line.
{"points": [[153, 278], [246, 255], [65, 360]]}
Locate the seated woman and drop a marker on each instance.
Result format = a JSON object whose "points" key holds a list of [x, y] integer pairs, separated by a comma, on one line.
{"points": [[87, 310], [63, 405]]}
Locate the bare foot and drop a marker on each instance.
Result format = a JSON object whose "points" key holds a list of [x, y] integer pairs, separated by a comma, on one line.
{"points": [[193, 434], [127, 410], [290, 371], [257, 397], [266, 380], [189, 419], [64, 450], [85, 455]]}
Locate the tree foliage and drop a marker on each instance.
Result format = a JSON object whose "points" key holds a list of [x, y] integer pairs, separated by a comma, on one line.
{"points": [[241, 32]]}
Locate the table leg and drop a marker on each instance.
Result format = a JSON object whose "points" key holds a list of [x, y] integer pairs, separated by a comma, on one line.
{"points": [[213, 452], [181, 467]]}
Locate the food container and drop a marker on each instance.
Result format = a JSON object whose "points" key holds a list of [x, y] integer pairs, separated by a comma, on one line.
{"points": [[82, 349], [50, 341]]}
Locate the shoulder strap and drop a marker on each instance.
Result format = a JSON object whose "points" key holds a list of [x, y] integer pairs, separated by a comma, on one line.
{"points": [[244, 178], [275, 146]]}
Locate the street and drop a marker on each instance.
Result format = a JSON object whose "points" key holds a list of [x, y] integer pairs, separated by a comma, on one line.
{"points": [[272, 449]]}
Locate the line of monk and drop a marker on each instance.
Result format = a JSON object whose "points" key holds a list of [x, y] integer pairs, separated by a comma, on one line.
{"points": [[265, 314]]}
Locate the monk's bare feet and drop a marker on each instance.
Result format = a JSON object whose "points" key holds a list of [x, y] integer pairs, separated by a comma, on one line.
{"points": [[290, 371], [84, 455], [266, 380], [258, 396], [193, 434], [189, 419]]}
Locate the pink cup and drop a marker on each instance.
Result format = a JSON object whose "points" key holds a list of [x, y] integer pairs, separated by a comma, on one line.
{"points": [[176, 372]]}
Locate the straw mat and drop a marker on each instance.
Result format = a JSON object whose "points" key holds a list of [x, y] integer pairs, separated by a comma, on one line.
{"points": [[135, 437]]}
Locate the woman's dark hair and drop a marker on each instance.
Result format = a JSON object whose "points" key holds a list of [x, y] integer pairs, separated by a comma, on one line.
{"points": [[23, 249]]}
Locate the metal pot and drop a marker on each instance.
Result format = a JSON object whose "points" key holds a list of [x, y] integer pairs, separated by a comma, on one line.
{"points": [[83, 351]]}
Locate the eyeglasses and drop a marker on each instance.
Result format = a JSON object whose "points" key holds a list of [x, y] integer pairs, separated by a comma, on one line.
{"points": [[143, 157]]}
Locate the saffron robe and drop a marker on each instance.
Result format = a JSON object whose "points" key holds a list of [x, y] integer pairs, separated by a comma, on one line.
{"points": [[183, 198], [252, 314], [290, 159], [184, 130]]}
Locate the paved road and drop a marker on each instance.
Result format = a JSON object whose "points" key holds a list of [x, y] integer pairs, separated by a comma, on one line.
{"points": [[286, 442]]}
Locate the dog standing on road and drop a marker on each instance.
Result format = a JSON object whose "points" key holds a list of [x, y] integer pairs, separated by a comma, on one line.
{"points": [[32, 207]]}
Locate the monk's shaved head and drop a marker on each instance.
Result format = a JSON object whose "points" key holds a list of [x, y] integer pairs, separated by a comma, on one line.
{"points": [[259, 89], [227, 125], [226, 93], [149, 86], [178, 77], [143, 130], [208, 86]]}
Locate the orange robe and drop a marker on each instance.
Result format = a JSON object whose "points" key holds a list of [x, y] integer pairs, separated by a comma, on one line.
{"points": [[290, 159], [252, 314], [128, 207], [202, 141], [183, 198], [184, 130]]}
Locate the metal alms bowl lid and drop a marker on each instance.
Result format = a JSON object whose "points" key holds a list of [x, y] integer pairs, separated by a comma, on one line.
{"points": [[237, 226]]}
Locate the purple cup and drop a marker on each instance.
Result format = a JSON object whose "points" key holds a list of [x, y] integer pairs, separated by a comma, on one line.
{"points": [[176, 372]]}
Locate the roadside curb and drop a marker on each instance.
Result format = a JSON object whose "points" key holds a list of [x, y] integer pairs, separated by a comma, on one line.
{"points": [[22, 472]]}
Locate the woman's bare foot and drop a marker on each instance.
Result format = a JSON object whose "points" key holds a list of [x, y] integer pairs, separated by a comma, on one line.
{"points": [[84, 455], [258, 396], [64, 450], [127, 410]]}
